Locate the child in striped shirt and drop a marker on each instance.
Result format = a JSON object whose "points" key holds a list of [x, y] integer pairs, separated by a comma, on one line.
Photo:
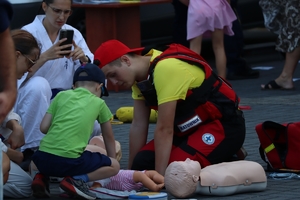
{"points": [[128, 180]]}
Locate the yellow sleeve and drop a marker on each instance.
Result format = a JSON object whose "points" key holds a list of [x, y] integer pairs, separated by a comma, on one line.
{"points": [[173, 78], [136, 93]]}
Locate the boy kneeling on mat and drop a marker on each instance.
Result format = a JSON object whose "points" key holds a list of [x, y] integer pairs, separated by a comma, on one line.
{"points": [[68, 125]]}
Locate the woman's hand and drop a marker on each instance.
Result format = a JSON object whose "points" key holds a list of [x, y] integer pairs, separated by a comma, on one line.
{"points": [[56, 51], [16, 138], [15, 155], [78, 54]]}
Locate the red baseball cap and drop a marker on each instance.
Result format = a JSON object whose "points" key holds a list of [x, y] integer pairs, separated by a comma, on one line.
{"points": [[112, 50]]}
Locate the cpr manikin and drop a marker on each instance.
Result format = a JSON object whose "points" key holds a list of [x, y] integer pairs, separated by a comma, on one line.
{"points": [[96, 144], [185, 178], [125, 180]]}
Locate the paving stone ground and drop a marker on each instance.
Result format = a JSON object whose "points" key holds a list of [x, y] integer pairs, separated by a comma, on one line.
{"points": [[279, 106]]}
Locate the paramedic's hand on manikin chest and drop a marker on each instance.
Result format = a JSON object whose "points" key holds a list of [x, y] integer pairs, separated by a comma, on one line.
{"points": [[163, 135]]}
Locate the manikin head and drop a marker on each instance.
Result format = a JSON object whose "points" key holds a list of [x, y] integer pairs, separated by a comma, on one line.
{"points": [[181, 178]]}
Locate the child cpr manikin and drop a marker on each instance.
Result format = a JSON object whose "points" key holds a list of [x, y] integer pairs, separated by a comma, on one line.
{"points": [[185, 178], [96, 144]]}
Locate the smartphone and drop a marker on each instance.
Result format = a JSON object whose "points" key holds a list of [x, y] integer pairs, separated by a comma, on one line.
{"points": [[66, 33]]}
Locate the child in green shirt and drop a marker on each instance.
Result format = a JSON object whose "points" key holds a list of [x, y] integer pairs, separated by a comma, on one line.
{"points": [[68, 125]]}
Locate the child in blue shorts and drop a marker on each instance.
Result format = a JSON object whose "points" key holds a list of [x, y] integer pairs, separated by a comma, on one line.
{"points": [[68, 125]]}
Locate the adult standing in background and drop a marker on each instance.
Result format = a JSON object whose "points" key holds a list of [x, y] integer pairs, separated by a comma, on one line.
{"points": [[282, 17], [237, 67], [236, 64], [180, 23], [52, 66], [212, 18]]}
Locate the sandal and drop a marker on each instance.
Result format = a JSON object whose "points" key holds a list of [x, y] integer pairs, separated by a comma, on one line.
{"points": [[272, 85]]}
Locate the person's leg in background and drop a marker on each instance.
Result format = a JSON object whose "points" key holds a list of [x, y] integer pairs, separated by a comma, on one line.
{"points": [[285, 79], [234, 45], [180, 22], [236, 64], [286, 25], [195, 44], [18, 184], [218, 47]]}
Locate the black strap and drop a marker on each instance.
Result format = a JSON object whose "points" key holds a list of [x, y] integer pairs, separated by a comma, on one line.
{"points": [[280, 129], [199, 96], [183, 56], [263, 157]]}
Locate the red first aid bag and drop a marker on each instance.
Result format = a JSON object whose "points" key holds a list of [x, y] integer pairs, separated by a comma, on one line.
{"points": [[280, 145]]}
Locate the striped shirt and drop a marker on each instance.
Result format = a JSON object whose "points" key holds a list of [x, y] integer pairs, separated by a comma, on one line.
{"points": [[123, 181]]}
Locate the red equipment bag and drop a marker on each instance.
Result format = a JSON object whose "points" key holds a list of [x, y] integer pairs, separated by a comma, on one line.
{"points": [[280, 143]]}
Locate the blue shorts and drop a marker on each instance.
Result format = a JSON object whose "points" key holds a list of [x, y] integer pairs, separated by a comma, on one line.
{"points": [[52, 165]]}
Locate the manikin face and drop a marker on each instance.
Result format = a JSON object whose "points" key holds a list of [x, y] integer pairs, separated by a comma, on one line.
{"points": [[192, 166], [120, 75], [25, 62], [181, 178], [57, 12]]}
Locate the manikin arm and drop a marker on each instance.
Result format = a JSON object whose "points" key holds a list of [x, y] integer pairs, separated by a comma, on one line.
{"points": [[155, 176], [150, 179]]}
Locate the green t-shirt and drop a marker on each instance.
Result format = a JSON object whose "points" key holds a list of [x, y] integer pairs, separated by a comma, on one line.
{"points": [[73, 116]]}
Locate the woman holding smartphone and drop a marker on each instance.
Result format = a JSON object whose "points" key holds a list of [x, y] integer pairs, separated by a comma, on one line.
{"points": [[52, 65]]}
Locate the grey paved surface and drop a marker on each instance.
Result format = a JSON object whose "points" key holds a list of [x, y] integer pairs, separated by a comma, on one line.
{"points": [[280, 106]]}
